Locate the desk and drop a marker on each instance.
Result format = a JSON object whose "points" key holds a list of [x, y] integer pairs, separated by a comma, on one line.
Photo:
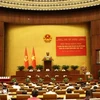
{"points": [[5, 80], [13, 97], [59, 75]]}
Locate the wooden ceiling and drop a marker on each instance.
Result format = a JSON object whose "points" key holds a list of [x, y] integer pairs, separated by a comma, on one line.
{"points": [[48, 5]]}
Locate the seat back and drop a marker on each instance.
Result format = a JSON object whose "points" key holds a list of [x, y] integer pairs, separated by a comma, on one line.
{"points": [[63, 87], [72, 96], [19, 92], [23, 97], [86, 88], [97, 90], [49, 96], [12, 90], [79, 91], [96, 94], [41, 92], [3, 97], [28, 89], [60, 91]]}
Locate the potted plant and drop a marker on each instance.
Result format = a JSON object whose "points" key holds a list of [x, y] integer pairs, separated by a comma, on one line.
{"points": [[89, 78], [30, 68], [39, 67], [56, 67], [21, 68], [27, 80], [65, 80], [99, 74], [65, 67], [13, 80], [74, 67], [40, 80], [80, 79], [53, 79]]}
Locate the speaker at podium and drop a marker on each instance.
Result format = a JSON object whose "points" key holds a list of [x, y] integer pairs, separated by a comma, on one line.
{"points": [[47, 62]]}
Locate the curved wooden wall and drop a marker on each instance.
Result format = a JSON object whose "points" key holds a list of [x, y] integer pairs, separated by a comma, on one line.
{"points": [[88, 15]]}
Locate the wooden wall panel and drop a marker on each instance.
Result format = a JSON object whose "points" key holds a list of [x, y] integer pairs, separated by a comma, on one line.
{"points": [[95, 41], [1, 48]]}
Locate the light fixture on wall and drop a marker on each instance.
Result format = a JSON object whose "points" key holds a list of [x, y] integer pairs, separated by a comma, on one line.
{"points": [[47, 38]]}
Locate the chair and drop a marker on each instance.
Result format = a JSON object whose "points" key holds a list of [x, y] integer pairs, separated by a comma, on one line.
{"points": [[72, 96], [63, 87], [49, 96], [41, 92], [3, 97], [97, 90], [79, 91], [23, 97], [62, 84], [96, 94], [12, 90], [19, 92], [86, 88], [59, 92], [28, 90]]}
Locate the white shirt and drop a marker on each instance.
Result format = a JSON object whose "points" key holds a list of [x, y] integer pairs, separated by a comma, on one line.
{"points": [[16, 87], [50, 92]]}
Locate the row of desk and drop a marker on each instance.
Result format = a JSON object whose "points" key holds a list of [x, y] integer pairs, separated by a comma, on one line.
{"points": [[47, 75]]}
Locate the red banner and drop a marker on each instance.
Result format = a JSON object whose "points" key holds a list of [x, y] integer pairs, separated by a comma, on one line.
{"points": [[71, 46]]}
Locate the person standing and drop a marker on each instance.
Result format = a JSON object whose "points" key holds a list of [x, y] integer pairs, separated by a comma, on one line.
{"points": [[34, 95], [47, 57]]}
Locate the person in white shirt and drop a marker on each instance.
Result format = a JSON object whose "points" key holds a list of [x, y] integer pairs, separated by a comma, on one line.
{"points": [[50, 91], [70, 87], [16, 86]]}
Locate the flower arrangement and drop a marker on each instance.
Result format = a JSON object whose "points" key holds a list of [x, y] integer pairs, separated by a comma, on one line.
{"points": [[27, 80], [47, 75], [80, 79], [66, 80], [98, 74], [89, 78], [53, 79], [13, 80], [37, 75], [40, 80]]}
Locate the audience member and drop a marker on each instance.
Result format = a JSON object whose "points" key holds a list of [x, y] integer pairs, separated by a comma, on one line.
{"points": [[24, 92], [50, 91], [5, 90], [34, 95], [69, 91], [94, 87], [77, 87], [70, 87], [16, 86], [88, 95]]}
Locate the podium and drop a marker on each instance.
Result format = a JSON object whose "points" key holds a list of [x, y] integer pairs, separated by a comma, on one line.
{"points": [[48, 64]]}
